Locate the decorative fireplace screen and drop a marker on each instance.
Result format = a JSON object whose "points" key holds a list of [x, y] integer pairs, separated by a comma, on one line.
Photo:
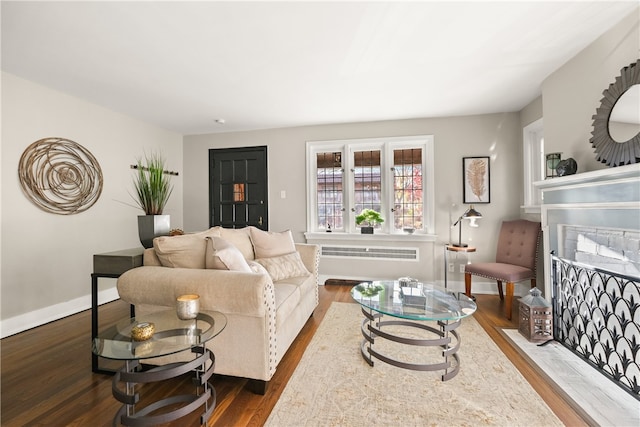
{"points": [[597, 316]]}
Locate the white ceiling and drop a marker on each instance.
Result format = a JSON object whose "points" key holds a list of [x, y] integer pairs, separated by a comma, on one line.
{"points": [[181, 65]]}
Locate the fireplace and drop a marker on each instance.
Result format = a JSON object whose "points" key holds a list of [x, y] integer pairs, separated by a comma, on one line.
{"points": [[597, 316], [591, 233]]}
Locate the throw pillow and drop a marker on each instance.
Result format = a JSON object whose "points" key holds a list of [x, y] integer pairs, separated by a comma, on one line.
{"points": [[284, 266], [184, 251], [240, 238], [258, 268], [268, 244], [222, 255]]}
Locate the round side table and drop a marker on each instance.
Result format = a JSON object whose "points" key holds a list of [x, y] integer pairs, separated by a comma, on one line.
{"points": [[453, 248]]}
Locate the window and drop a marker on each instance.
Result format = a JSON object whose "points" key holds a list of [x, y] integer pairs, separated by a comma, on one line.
{"points": [[407, 189], [391, 175], [367, 180], [329, 190], [533, 164], [238, 192]]}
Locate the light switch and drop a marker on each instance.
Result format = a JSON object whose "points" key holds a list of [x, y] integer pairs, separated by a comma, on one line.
{"points": [[283, 194]]}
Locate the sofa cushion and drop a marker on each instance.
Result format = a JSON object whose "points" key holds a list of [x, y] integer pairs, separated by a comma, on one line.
{"points": [[184, 251], [305, 283], [287, 300], [222, 255], [268, 244], [284, 267]]}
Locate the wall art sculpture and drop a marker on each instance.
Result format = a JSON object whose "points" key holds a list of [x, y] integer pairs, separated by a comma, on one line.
{"points": [[60, 176]]}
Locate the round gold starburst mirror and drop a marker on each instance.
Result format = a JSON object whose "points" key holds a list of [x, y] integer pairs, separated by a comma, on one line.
{"points": [[616, 124], [60, 176]]}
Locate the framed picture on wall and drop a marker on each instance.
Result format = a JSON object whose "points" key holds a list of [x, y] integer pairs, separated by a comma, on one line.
{"points": [[476, 182]]}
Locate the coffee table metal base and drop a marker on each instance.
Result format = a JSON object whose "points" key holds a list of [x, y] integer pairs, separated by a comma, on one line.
{"points": [[372, 328], [205, 394]]}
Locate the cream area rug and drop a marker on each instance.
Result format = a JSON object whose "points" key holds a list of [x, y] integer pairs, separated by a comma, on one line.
{"points": [[334, 386]]}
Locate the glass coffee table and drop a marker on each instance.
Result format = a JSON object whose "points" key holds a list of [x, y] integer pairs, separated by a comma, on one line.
{"points": [[171, 335], [412, 307]]}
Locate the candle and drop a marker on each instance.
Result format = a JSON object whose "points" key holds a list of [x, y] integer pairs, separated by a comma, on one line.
{"points": [[188, 306]]}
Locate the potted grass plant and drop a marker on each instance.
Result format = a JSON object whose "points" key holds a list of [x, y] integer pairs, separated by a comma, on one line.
{"points": [[153, 188], [371, 218]]}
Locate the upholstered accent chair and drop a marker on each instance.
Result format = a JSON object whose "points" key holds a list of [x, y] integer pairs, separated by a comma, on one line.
{"points": [[516, 259]]}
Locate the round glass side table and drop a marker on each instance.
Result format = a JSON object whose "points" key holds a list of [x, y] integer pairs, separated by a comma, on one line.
{"points": [[171, 335]]}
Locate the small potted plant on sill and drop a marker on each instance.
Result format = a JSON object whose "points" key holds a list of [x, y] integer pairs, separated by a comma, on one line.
{"points": [[153, 188], [371, 218]]}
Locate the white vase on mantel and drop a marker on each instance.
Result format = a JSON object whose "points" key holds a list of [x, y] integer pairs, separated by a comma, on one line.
{"points": [[152, 226]]}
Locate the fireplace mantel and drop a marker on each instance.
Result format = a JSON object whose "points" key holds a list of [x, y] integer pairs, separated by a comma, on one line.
{"points": [[607, 198], [590, 178]]}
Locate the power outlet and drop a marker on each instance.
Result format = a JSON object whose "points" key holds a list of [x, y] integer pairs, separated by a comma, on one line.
{"points": [[452, 267], [462, 268]]}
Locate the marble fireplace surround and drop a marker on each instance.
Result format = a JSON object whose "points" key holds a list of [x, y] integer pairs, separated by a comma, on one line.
{"points": [[591, 222], [605, 201]]}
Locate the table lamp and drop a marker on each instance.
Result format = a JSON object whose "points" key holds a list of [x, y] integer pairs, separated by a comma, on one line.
{"points": [[472, 215]]}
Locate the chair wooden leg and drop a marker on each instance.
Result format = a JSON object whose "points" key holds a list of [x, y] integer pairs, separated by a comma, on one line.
{"points": [[500, 289], [467, 284], [507, 305]]}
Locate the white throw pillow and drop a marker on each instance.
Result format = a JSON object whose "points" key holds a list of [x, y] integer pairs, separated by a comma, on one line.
{"points": [[222, 255], [256, 267], [284, 266], [268, 244]]}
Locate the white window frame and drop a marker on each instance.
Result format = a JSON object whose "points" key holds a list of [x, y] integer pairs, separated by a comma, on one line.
{"points": [[533, 164], [386, 145]]}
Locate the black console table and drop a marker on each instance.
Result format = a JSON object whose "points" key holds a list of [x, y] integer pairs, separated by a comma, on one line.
{"points": [[109, 265]]}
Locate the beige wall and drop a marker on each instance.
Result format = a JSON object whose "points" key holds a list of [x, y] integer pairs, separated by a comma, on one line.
{"points": [[47, 258], [532, 112], [573, 92], [495, 135]]}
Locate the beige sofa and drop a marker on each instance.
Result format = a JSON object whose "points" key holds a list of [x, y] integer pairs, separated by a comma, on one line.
{"points": [[266, 306]]}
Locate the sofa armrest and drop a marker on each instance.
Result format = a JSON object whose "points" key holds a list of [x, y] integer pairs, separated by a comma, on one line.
{"points": [[222, 290], [310, 255], [150, 258]]}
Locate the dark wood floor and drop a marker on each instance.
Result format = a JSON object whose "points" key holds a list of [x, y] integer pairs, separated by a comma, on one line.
{"points": [[46, 376]]}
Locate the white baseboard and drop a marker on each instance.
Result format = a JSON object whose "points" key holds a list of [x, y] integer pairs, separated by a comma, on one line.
{"points": [[45, 315]]}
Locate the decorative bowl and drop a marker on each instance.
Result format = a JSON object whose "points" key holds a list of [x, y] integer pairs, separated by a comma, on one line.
{"points": [[143, 331], [369, 289]]}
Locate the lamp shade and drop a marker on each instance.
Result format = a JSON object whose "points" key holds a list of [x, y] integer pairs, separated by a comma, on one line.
{"points": [[472, 215]]}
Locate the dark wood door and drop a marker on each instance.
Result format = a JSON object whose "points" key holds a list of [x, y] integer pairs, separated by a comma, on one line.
{"points": [[238, 187]]}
